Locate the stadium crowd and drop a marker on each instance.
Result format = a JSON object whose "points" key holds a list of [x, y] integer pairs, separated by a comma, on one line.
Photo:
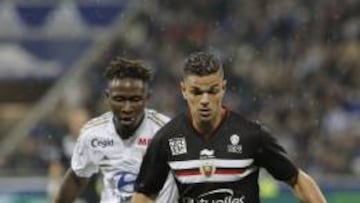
{"points": [[292, 64]]}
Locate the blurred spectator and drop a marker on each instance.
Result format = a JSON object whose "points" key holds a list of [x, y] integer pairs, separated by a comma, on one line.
{"points": [[62, 151], [294, 64]]}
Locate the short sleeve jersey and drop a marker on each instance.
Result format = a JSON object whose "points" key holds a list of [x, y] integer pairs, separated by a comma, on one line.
{"points": [[100, 149], [224, 168]]}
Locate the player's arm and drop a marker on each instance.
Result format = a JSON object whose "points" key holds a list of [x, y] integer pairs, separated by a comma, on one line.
{"points": [[306, 189], [54, 177], [84, 163], [71, 187], [141, 198], [274, 158]]}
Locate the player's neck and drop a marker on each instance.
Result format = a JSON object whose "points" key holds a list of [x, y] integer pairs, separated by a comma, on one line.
{"points": [[126, 132], [207, 129]]}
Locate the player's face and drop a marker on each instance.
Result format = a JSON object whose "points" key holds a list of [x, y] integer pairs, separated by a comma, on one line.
{"points": [[127, 99], [204, 96]]}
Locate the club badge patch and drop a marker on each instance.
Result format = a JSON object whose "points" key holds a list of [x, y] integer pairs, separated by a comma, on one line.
{"points": [[177, 146], [234, 146], [207, 169]]}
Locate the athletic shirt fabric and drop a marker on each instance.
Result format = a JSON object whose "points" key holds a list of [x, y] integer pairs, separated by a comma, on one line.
{"points": [[224, 168], [100, 149]]}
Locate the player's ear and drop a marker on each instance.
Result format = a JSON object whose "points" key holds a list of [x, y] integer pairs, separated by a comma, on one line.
{"points": [[183, 89], [224, 84]]}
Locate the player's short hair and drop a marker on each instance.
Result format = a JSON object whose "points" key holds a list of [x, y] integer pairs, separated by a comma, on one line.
{"points": [[126, 68], [202, 64]]}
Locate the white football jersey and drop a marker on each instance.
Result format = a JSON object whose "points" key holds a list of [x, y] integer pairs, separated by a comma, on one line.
{"points": [[100, 149]]}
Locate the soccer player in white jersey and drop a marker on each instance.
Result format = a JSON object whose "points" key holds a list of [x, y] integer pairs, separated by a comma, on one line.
{"points": [[115, 142]]}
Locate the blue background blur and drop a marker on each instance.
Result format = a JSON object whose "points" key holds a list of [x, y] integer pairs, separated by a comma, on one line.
{"points": [[292, 64]]}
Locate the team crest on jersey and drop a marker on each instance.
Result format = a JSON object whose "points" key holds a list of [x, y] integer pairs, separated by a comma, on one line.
{"points": [[123, 184], [177, 146], [207, 169], [234, 146]]}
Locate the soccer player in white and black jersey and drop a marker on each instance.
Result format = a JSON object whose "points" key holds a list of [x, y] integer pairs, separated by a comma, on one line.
{"points": [[114, 143], [214, 153]]}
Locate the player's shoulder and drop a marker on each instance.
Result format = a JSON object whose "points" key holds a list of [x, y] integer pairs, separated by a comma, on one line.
{"points": [[156, 117], [96, 124], [174, 129], [244, 123], [175, 124]]}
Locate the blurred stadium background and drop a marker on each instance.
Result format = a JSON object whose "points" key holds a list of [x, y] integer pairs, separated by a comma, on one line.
{"points": [[292, 64]]}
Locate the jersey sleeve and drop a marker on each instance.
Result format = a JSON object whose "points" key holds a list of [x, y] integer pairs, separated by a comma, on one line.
{"points": [[273, 157], [154, 169], [82, 160], [169, 192]]}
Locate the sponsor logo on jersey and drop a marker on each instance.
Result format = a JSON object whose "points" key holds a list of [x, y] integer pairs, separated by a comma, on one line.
{"points": [[177, 146], [207, 153], [102, 142], [216, 196], [234, 146], [144, 141]]}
